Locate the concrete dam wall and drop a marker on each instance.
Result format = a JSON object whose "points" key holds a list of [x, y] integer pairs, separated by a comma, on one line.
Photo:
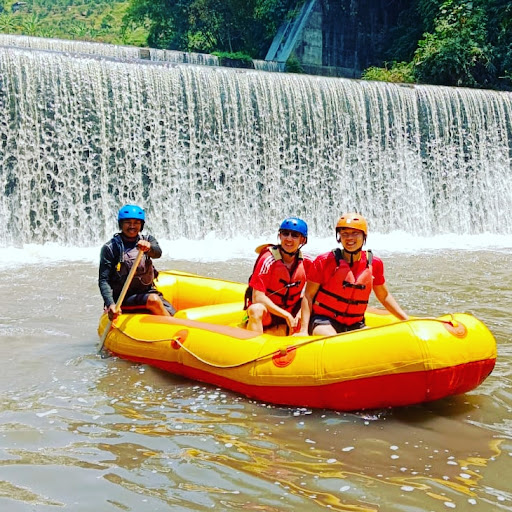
{"points": [[337, 37]]}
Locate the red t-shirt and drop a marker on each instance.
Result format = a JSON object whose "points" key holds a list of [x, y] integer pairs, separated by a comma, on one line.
{"points": [[262, 273], [324, 267]]}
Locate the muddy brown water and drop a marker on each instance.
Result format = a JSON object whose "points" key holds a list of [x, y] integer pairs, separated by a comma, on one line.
{"points": [[82, 433]]}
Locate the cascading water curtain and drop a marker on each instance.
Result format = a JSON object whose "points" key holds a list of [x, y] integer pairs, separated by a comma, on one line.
{"points": [[209, 149]]}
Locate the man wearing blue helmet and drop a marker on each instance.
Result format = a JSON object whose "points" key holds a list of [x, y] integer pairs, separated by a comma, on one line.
{"points": [[117, 258], [273, 297]]}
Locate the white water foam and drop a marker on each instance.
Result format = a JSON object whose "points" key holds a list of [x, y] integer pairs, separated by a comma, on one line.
{"points": [[213, 249]]}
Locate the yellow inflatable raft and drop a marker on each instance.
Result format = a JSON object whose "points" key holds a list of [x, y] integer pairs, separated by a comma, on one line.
{"points": [[389, 364]]}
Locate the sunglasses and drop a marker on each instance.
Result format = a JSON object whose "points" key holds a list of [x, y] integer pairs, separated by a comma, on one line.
{"points": [[293, 234]]}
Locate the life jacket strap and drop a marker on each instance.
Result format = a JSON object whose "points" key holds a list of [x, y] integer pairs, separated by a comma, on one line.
{"points": [[346, 284], [338, 255], [339, 298], [336, 313], [286, 296]]}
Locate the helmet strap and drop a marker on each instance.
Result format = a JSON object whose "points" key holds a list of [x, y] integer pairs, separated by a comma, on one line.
{"points": [[289, 253], [352, 254]]}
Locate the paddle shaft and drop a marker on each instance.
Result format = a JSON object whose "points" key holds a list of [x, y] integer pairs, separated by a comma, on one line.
{"points": [[126, 285]]}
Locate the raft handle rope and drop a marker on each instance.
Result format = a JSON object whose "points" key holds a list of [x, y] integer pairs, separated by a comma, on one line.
{"points": [[279, 352], [179, 273]]}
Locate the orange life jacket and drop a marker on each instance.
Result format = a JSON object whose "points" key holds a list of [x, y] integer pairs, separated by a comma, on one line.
{"points": [[284, 288], [345, 298]]}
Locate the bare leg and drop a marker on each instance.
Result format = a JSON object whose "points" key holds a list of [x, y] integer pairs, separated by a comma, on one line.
{"points": [[156, 306], [255, 313], [324, 330]]}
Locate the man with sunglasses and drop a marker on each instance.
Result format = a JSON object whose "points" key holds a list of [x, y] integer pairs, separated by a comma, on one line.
{"points": [[274, 295], [340, 283]]}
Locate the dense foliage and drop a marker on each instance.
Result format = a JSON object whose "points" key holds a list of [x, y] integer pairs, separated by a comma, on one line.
{"points": [[450, 42], [453, 42], [245, 26], [398, 72], [92, 20]]}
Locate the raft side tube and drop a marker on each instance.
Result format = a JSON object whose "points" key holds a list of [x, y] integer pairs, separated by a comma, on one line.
{"points": [[222, 314], [186, 291]]}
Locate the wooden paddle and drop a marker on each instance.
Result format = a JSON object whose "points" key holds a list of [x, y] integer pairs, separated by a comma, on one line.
{"points": [[121, 297]]}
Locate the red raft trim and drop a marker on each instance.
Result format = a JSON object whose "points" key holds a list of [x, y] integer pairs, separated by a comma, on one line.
{"points": [[383, 391]]}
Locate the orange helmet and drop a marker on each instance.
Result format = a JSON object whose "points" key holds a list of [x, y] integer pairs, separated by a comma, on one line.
{"points": [[354, 221]]}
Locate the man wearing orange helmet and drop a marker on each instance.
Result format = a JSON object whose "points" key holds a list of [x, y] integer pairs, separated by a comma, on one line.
{"points": [[340, 283]]}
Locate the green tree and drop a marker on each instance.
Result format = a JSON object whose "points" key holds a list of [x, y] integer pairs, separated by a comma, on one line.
{"points": [[293, 65], [31, 26], [164, 20], [209, 25], [107, 21], [500, 36], [79, 30], [458, 42], [8, 23], [456, 52], [224, 24], [398, 72], [48, 32]]}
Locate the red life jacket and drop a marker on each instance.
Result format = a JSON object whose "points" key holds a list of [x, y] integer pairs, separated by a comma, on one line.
{"points": [[284, 288], [345, 298]]}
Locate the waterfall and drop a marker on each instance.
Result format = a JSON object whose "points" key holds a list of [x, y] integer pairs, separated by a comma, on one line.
{"points": [[266, 65], [209, 149], [70, 46], [119, 52]]}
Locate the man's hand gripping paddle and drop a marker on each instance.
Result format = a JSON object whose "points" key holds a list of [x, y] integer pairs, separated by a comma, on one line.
{"points": [[120, 300]]}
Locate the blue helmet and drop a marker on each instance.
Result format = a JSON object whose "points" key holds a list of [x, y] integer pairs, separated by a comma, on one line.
{"points": [[131, 211], [295, 224]]}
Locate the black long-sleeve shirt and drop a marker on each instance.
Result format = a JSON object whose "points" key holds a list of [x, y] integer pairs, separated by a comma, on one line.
{"points": [[109, 258]]}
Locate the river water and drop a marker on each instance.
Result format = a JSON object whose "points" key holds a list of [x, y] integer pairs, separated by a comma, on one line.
{"points": [[84, 433], [213, 154]]}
